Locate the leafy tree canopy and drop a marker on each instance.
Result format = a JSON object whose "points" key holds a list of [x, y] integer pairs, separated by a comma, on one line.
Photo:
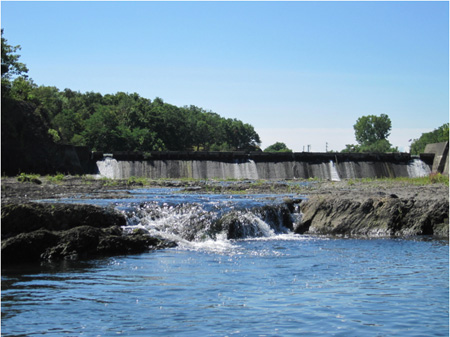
{"points": [[121, 121], [438, 135], [371, 133], [278, 147], [370, 129], [10, 64]]}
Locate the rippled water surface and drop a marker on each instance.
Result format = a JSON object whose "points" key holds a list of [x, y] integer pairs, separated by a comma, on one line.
{"points": [[281, 285], [275, 287]]}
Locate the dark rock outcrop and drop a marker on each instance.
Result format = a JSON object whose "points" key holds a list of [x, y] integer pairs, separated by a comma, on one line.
{"points": [[35, 232], [374, 216], [23, 218]]}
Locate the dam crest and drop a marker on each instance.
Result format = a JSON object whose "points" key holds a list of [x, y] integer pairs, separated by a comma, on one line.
{"points": [[257, 165]]}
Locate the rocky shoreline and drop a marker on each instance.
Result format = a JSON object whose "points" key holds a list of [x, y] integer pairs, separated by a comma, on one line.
{"points": [[33, 231]]}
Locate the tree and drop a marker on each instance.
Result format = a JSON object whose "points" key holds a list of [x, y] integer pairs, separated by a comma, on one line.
{"points": [[371, 133], [370, 129], [10, 61], [437, 136], [10, 64], [278, 147]]}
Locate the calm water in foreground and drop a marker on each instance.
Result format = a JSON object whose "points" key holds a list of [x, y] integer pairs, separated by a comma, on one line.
{"points": [[281, 285]]}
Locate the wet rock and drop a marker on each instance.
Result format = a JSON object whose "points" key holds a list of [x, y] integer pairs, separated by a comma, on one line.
{"points": [[257, 222], [388, 216], [27, 247], [82, 242], [23, 218], [34, 232]]}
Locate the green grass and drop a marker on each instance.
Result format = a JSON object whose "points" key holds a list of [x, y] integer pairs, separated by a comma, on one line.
{"points": [[27, 177], [109, 182], [433, 178], [56, 179], [137, 181]]}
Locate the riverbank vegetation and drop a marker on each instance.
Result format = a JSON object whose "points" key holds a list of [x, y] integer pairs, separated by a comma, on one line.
{"points": [[438, 135], [215, 184], [114, 122], [433, 178]]}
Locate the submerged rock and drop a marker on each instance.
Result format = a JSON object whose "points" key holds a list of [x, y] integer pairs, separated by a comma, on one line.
{"points": [[34, 232]]}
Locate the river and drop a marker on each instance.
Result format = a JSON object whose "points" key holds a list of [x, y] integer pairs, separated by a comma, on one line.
{"points": [[269, 282]]}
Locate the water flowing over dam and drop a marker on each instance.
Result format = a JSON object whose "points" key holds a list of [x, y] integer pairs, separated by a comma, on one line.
{"points": [[255, 165]]}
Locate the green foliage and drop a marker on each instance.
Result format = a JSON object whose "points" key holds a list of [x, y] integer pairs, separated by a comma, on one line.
{"points": [[371, 133], [278, 147], [141, 181], [57, 179], [433, 178], [54, 135], [109, 182], [122, 121], [10, 64], [439, 135], [370, 129], [33, 178], [128, 122]]}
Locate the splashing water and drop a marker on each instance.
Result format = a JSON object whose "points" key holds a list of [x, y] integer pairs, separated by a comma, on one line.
{"points": [[213, 224], [417, 168]]}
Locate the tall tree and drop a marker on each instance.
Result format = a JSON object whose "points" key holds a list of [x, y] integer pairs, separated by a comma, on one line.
{"points": [[370, 129], [371, 133], [10, 64]]}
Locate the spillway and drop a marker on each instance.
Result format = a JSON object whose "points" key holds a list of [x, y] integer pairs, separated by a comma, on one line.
{"points": [[262, 166]]}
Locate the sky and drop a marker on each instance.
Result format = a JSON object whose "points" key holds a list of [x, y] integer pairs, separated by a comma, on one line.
{"points": [[301, 73]]}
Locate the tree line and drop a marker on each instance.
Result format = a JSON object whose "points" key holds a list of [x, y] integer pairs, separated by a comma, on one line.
{"points": [[122, 121], [129, 122], [438, 135]]}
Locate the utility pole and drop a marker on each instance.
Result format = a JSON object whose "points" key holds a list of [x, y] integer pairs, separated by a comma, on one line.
{"points": [[326, 147]]}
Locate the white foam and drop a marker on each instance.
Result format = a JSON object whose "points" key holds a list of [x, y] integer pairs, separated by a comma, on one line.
{"points": [[334, 175], [108, 167], [417, 168]]}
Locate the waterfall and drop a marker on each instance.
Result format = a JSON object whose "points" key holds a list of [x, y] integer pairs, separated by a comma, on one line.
{"points": [[246, 168], [250, 171], [109, 168], [194, 223], [334, 175], [417, 168]]}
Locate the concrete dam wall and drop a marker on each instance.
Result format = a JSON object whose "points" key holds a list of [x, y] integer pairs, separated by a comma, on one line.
{"points": [[257, 165]]}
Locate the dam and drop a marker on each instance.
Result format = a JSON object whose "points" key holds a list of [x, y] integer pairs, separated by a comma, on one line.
{"points": [[261, 165]]}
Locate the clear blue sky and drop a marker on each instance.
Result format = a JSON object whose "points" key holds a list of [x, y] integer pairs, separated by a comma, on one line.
{"points": [[299, 72]]}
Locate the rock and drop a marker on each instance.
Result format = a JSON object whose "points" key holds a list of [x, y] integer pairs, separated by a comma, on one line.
{"points": [[376, 216], [81, 242], [242, 224], [23, 218], [34, 232], [27, 247]]}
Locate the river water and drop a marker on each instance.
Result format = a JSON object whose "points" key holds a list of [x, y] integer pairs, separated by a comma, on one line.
{"points": [[270, 282]]}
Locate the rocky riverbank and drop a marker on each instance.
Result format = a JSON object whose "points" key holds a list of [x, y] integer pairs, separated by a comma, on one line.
{"points": [[374, 216], [33, 231]]}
